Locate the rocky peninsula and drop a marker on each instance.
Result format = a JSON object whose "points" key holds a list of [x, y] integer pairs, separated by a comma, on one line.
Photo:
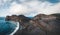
{"points": [[41, 24]]}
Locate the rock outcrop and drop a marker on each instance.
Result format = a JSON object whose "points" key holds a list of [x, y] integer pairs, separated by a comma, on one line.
{"points": [[20, 18], [41, 24], [57, 15], [49, 23], [24, 22]]}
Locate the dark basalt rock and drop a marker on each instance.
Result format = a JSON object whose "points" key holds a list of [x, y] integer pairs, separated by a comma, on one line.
{"points": [[24, 21], [8, 18], [20, 18], [49, 23], [23, 18], [57, 15], [40, 25]]}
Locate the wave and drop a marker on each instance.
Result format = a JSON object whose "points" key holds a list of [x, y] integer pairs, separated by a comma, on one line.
{"points": [[16, 29]]}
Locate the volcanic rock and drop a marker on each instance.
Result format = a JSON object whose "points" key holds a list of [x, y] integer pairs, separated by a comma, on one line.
{"points": [[41, 24]]}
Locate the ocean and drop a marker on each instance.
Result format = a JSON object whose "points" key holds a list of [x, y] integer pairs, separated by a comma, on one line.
{"points": [[6, 27]]}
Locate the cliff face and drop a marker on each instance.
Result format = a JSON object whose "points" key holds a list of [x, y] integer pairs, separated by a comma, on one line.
{"points": [[24, 21], [48, 23], [19, 18], [57, 15], [41, 24]]}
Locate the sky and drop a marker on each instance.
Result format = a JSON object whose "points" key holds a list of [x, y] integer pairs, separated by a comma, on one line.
{"points": [[29, 8]]}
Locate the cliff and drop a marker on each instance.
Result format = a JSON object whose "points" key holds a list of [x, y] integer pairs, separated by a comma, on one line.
{"points": [[41, 24]]}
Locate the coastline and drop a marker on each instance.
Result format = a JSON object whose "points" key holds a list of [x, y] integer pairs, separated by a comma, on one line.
{"points": [[16, 29]]}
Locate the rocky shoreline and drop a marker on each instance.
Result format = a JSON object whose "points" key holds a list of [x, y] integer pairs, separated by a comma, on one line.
{"points": [[41, 24]]}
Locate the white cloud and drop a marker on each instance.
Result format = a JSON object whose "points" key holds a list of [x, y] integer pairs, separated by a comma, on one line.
{"points": [[32, 8], [18, 9]]}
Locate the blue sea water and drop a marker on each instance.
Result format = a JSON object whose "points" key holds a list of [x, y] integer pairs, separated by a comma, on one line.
{"points": [[6, 27]]}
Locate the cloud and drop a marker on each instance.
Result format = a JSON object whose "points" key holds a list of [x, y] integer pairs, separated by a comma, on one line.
{"points": [[32, 8]]}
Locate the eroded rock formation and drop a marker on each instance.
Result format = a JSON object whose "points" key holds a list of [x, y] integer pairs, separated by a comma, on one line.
{"points": [[40, 25]]}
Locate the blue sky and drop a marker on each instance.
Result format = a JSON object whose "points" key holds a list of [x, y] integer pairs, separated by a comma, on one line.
{"points": [[29, 7]]}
